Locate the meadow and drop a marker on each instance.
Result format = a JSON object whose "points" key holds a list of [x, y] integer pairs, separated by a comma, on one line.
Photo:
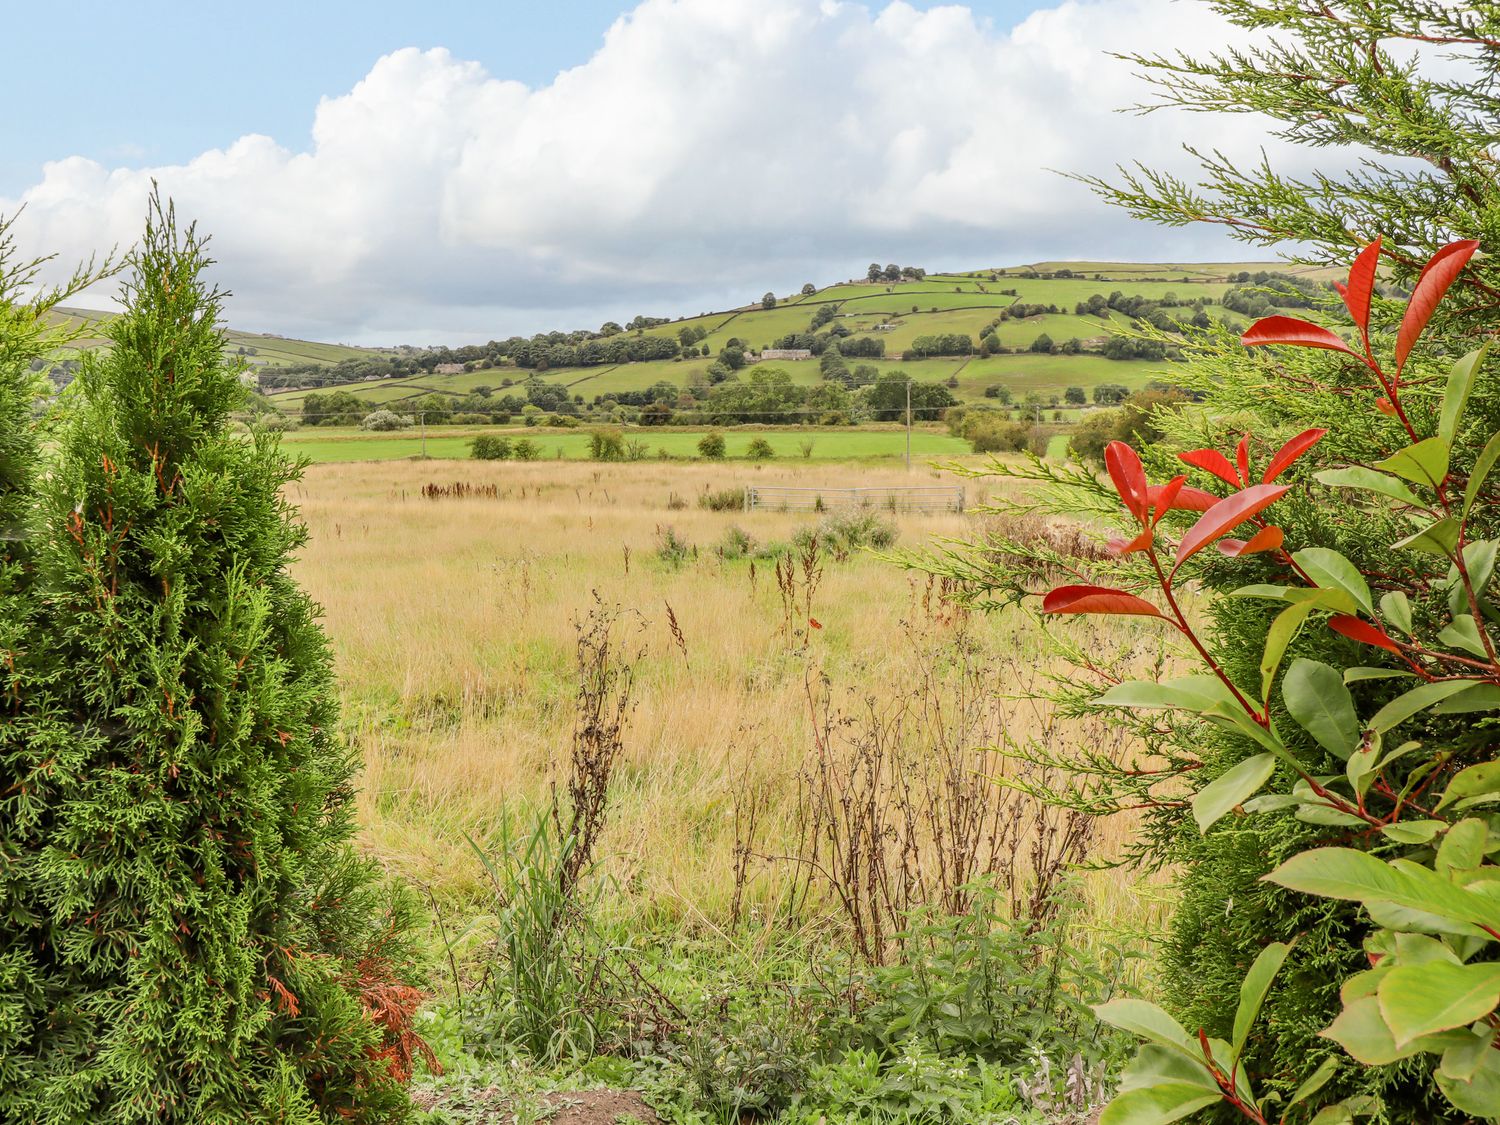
{"points": [[457, 623]]}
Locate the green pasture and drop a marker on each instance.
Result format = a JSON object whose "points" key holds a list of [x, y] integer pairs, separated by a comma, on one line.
{"points": [[341, 444]]}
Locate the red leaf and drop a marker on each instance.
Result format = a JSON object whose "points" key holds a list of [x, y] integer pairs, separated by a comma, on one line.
{"points": [[1290, 452], [1097, 599], [1437, 275], [1362, 285], [1129, 478], [1211, 461], [1383, 405], [1226, 515], [1242, 459], [1185, 499], [1362, 631], [1162, 497], [1299, 333], [1192, 499], [1139, 543], [1266, 539]]}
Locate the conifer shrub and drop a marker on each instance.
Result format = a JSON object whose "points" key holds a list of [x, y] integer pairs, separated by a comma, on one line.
{"points": [[203, 944]]}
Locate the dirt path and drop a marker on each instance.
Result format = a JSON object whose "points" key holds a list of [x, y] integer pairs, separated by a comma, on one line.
{"points": [[564, 1107]]}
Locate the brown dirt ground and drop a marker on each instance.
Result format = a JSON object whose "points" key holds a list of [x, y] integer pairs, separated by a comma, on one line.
{"points": [[566, 1107]]}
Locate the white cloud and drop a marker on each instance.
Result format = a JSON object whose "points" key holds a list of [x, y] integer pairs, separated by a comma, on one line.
{"points": [[709, 149]]}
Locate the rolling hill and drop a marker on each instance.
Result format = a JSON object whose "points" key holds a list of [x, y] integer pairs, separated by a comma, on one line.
{"points": [[897, 313]]}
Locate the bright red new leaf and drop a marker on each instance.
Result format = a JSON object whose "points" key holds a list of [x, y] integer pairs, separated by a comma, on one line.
{"points": [[1242, 458], [1362, 631], [1139, 543], [1227, 515], [1211, 461], [1163, 497], [1266, 539], [1362, 286], [1290, 452], [1097, 599], [1129, 477], [1300, 333], [1384, 405], [1437, 275]]}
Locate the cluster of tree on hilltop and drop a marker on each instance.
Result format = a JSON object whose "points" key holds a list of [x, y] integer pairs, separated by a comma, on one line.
{"points": [[894, 273]]}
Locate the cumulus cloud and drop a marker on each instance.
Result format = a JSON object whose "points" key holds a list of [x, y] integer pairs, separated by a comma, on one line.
{"points": [[707, 151]]}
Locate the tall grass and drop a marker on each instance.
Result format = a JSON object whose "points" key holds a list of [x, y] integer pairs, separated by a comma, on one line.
{"points": [[452, 625]]}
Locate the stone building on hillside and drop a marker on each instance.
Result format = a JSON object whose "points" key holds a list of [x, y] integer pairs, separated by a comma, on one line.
{"points": [[785, 353]]}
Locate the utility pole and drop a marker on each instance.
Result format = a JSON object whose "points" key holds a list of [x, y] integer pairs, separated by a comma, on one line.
{"points": [[422, 422], [908, 425]]}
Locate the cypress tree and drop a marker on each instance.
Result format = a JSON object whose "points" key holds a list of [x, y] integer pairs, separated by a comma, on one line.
{"points": [[211, 948], [26, 338]]}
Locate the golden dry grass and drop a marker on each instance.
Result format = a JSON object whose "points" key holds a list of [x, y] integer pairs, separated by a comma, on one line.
{"points": [[452, 624]]}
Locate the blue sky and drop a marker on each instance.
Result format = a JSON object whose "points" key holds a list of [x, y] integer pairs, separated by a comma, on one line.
{"points": [[397, 172], [134, 82]]}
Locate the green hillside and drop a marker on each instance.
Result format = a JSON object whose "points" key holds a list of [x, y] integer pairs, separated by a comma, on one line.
{"points": [[896, 314], [259, 349]]}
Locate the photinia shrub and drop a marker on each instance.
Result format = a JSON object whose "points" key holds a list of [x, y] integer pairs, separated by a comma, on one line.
{"points": [[1389, 751]]}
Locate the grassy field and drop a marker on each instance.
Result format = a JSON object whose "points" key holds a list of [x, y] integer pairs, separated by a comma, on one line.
{"points": [[452, 443], [454, 652], [461, 626]]}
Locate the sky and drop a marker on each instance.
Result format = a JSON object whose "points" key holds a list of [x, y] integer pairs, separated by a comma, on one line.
{"points": [[386, 172]]}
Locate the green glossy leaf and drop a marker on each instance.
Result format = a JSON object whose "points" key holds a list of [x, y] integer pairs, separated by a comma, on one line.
{"points": [[1355, 876], [1413, 831], [1368, 480], [1154, 1065], [1479, 561], [1331, 570], [1188, 693], [1231, 788], [1157, 1105], [1141, 1017], [1358, 675], [1283, 629], [1361, 1030], [1440, 538], [1480, 1096], [1333, 1115], [1253, 990], [1425, 463], [1463, 1060], [1463, 846], [1315, 1081], [1476, 781], [1487, 458], [1419, 699], [1479, 697], [1417, 1000], [1395, 608], [1461, 378], [1463, 634], [1315, 696]]}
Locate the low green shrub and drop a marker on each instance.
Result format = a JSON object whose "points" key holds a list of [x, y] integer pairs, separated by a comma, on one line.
{"points": [[671, 548], [736, 543], [722, 499], [711, 446], [492, 447], [760, 450]]}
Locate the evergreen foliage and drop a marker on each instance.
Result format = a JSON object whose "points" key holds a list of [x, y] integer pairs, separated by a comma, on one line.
{"points": [[1343, 73], [189, 935]]}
